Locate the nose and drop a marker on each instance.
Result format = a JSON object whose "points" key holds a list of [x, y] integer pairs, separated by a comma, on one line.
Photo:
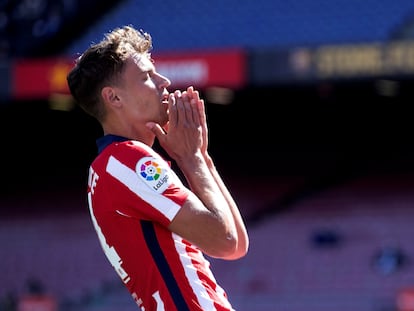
{"points": [[163, 82]]}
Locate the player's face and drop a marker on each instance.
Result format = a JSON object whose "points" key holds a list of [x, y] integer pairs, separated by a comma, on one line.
{"points": [[144, 91]]}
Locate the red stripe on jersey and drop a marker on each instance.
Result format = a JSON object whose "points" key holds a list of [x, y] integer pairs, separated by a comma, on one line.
{"points": [[133, 197]]}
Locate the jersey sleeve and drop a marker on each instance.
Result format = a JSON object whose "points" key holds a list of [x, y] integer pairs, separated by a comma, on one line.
{"points": [[147, 186]]}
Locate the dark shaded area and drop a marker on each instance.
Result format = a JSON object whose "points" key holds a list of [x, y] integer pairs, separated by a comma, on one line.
{"points": [[286, 131], [44, 28], [296, 131], [89, 12], [325, 238], [388, 260], [44, 149], [328, 138]]}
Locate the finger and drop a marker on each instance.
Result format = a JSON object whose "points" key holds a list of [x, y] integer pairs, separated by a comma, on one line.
{"points": [[188, 108], [156, 129], [201, 111], [195, 112], [195, 95], [180, 108], [172, 110], [195, 98]]}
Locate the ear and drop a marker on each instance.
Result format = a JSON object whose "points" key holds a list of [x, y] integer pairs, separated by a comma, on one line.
{"points": [[109, 95]]}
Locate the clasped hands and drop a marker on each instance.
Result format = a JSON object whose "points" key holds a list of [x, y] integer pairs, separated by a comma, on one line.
{"points": [[185, 135]]}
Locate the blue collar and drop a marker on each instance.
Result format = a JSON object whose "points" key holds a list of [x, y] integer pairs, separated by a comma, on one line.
{"points": [[104, 141]]}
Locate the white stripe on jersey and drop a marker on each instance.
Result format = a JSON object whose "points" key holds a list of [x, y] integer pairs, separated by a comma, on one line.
{"points": [[109, 251], [129, 178], [191, 273]]}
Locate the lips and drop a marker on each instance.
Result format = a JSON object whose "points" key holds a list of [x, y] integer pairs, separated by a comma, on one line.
{"points": [[164, 98]]}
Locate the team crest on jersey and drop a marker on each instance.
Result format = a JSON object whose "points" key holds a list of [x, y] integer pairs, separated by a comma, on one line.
{"points": [[154, 173]]}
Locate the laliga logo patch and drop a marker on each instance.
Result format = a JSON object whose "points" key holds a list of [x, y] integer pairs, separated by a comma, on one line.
{"points": [[153, 173]]}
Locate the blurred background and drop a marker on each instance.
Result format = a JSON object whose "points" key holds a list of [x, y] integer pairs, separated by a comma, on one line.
{"points": [[310, 111]]}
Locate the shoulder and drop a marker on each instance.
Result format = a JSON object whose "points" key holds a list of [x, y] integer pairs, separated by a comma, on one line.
{"points": [[132, 145], [129, 148], [134, 154]]}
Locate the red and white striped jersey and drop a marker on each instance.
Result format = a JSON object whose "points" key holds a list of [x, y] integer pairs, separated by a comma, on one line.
{"points": [[133, 195]]}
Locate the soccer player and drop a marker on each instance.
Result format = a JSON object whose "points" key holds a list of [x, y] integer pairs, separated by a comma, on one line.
{"points": [[154, 228]]}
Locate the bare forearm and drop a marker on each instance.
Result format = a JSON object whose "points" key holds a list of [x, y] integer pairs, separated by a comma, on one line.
{"points": [[204, 186], [243, 239]]}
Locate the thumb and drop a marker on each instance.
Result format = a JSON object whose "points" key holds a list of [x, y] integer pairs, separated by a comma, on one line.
{"points": [[156, 129]]}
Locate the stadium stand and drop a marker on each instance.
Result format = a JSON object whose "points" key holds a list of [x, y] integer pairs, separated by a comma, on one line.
{"points": [[253, 24], [43, 28], [285, 269], [329, 219]]}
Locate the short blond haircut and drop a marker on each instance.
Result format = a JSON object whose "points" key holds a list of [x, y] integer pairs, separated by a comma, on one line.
{"points": [[101, 65]]}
